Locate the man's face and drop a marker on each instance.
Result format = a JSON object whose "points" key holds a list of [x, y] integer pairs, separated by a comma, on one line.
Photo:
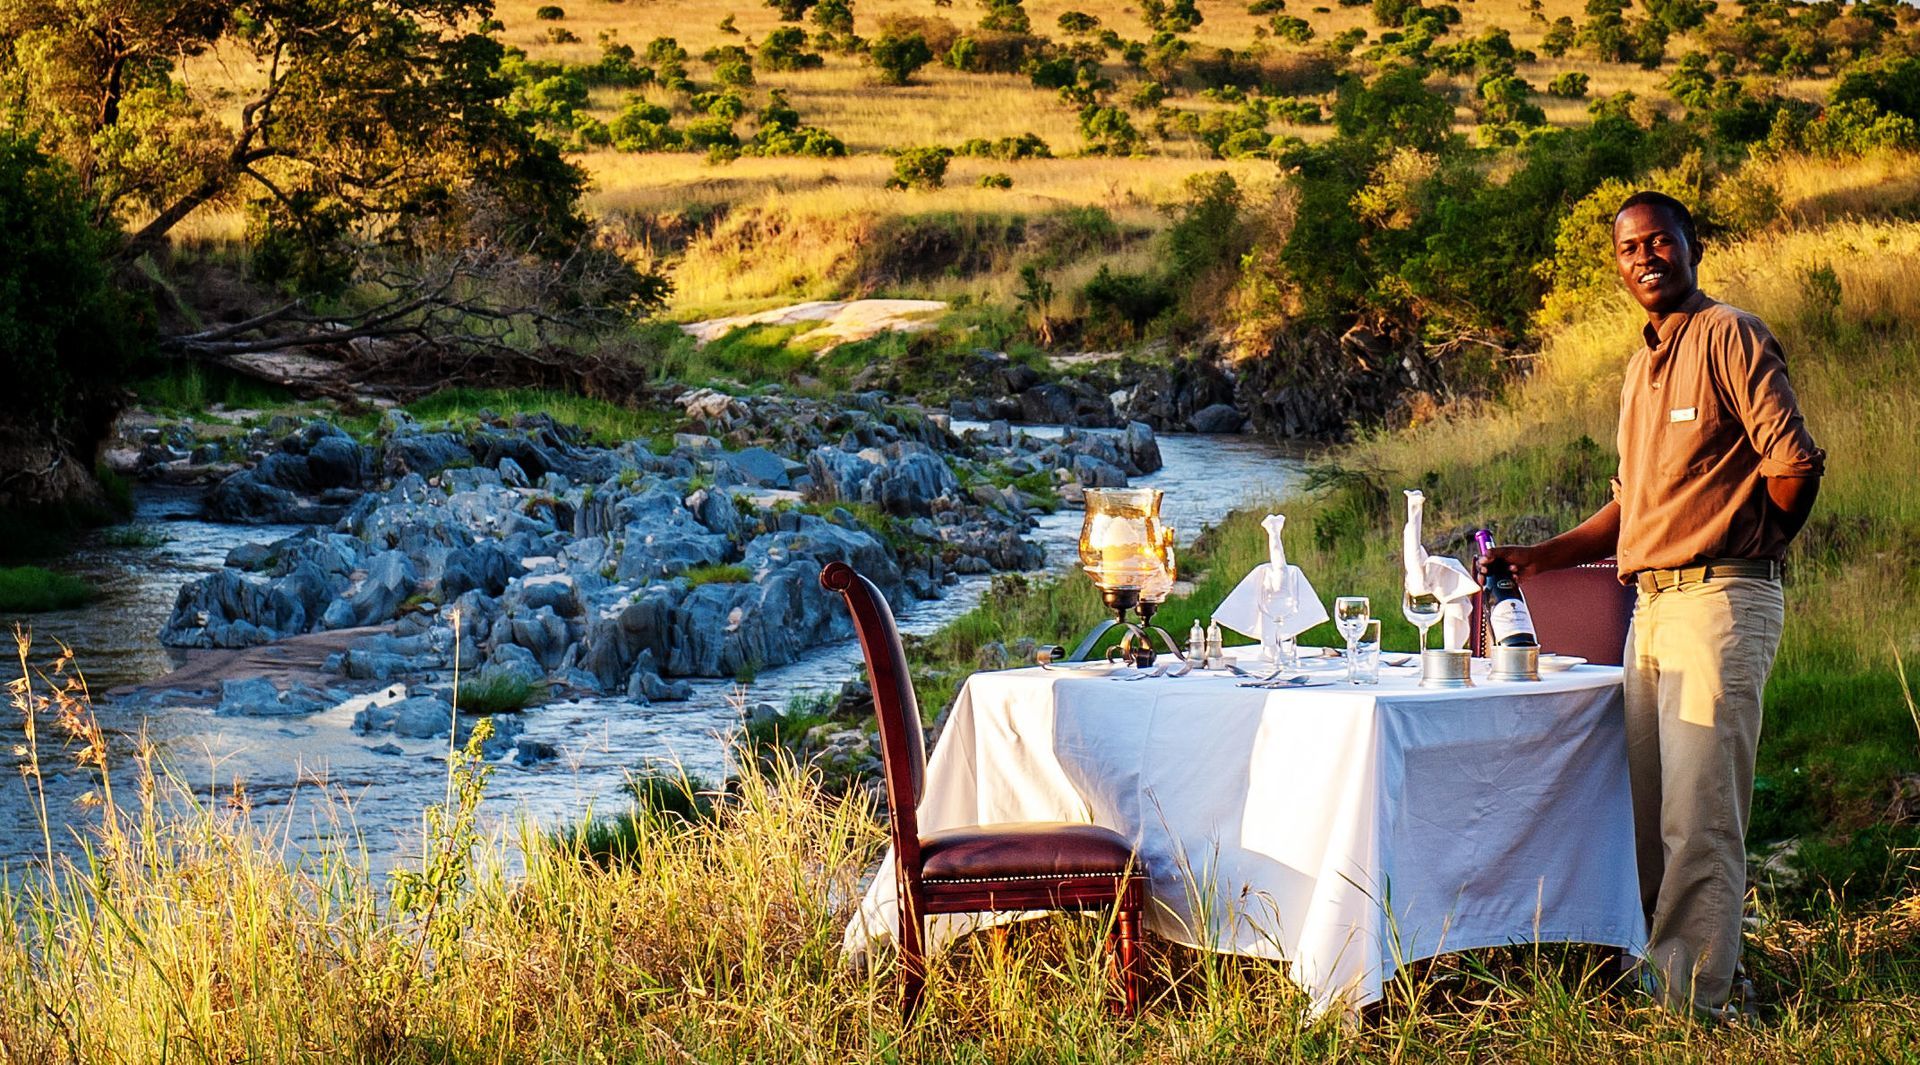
{"points": [[1653, 256]]}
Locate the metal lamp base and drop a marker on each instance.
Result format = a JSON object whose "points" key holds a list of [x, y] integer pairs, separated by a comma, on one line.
{"points": [[1136, 643]]}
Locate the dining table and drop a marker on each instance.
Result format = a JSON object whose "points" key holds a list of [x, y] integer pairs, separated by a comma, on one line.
{"points": [[1346, 829]]}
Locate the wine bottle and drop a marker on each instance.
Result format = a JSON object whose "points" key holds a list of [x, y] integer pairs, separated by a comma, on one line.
{"points": [[1506, 609]]}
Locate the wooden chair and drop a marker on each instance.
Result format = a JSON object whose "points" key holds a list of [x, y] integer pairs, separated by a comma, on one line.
{"points": [[987, 868], [1581, 611]]}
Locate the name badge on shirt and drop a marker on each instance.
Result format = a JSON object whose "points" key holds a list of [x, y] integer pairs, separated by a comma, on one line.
{"points": [[1683, 414]]}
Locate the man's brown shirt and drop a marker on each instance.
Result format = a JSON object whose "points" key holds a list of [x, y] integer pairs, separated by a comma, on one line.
{"points": [[1706, 416]]}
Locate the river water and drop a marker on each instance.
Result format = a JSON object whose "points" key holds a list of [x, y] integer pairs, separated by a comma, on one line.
{"points": [[314, 779]]}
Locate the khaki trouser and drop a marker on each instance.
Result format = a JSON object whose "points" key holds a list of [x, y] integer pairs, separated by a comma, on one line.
{"points": [[1697, 661]]}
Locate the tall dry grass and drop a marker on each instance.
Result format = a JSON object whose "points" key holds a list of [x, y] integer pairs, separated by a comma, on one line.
{"points": [[185, 933]]}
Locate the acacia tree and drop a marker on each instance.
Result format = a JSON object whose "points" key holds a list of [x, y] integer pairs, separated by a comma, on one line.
{"points": [[352, 114]]}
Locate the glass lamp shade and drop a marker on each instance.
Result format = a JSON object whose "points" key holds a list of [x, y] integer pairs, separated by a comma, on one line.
{"points": [[1124, 545]]}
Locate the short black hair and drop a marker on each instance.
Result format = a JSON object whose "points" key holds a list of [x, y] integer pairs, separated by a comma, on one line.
{"points": [[1650, 198]]}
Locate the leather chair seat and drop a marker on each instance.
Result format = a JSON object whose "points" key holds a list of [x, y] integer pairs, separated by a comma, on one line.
{"points": [[1023, 850]]}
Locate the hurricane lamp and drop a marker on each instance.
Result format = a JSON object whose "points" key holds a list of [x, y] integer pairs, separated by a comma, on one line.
{"points": [[1128, 553]]}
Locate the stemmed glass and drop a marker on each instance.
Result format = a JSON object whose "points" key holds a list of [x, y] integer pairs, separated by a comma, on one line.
{"points": [[1350, 616], [1422, 611], [1276, 612]]}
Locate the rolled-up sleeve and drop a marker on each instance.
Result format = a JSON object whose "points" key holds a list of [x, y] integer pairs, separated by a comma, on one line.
{"points": [[1753, 370]]}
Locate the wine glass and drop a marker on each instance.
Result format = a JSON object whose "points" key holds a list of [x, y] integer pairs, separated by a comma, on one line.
{"points": [[1350, 616], [1422, 610], [1277, 608]]}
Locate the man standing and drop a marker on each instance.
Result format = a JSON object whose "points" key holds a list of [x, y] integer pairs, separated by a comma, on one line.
{"points": [[1717, 473]]}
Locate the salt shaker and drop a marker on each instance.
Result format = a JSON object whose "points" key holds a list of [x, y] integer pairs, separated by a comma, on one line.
{"points": [[1197, 644], [1216, 645]]}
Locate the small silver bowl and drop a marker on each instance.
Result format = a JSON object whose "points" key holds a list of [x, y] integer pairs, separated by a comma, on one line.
{"points": [[1446, 669], [1515, 663]]}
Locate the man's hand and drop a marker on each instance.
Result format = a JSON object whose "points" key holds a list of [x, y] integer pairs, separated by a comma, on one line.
{"points": [[1524, 561], [1590, 541]]}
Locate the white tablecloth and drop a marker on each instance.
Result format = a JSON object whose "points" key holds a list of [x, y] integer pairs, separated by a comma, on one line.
{"points": [[1345, 829]]}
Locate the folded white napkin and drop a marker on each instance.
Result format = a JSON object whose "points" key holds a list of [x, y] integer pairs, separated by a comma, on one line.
{"points": [[1260, 594], [1446, 578]]}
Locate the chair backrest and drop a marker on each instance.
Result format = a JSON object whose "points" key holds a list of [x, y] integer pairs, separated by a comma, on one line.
{"points": [[1584, 611], [903, 746]]}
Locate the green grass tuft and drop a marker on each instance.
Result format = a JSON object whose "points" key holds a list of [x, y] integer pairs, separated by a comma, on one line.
{"points": [[497, 692], [31, 590], [717, 573]]}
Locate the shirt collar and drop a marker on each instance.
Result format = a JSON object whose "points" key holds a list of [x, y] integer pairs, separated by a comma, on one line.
{"points": [[1676, 321]]}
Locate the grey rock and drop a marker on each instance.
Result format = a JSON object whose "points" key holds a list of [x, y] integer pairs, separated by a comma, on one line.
{"points": [[252, 557], [543, 632], [903, 478], [249, 697], [555, 591], [335, 462], [482, 567], [1219, 418], [421, 717], [529, 752], [506, 732], [389, 581], [423, 453], [512, 475], [759, 467], [1093, 472]]}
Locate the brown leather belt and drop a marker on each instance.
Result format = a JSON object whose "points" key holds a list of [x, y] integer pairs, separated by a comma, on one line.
{"points": [[1660, 580]]}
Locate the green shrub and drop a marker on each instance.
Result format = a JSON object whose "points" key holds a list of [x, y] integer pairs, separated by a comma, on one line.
{"points": [[1292, 28], [1005, 16], [1136, 299], [31, 590], [1570, 84], [996, 180], [791, 10], [617, 68], [1205, 233], [1506, 98], [549, 13], [896, 58], [1006, 149], [1171, 16], [1855, 128], [1890, 84], [800, 140], [785, 49], [1078, 23], [1108, 131], [642, 127], [920, 168], [711, 133], [1295, 112]]}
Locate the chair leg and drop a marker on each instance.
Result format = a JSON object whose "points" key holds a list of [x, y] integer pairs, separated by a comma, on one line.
{"points": [[1129, 922], [913, 963]]}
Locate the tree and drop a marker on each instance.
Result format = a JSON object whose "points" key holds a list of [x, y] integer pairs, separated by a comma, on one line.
{"points": [[920, 168], [66, 327], [1171, 16], [1005, 16], [786, 49], [791, 10], [896, 58], [344, 126]]}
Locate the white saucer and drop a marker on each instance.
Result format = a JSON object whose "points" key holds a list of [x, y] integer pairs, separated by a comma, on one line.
{"points": [[1556, 663]]}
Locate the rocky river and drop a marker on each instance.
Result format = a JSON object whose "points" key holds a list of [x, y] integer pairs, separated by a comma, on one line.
{"points": [[292, 638]]}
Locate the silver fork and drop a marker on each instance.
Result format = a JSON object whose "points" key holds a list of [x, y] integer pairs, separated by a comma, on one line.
{"points": [[1296, 681]]}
